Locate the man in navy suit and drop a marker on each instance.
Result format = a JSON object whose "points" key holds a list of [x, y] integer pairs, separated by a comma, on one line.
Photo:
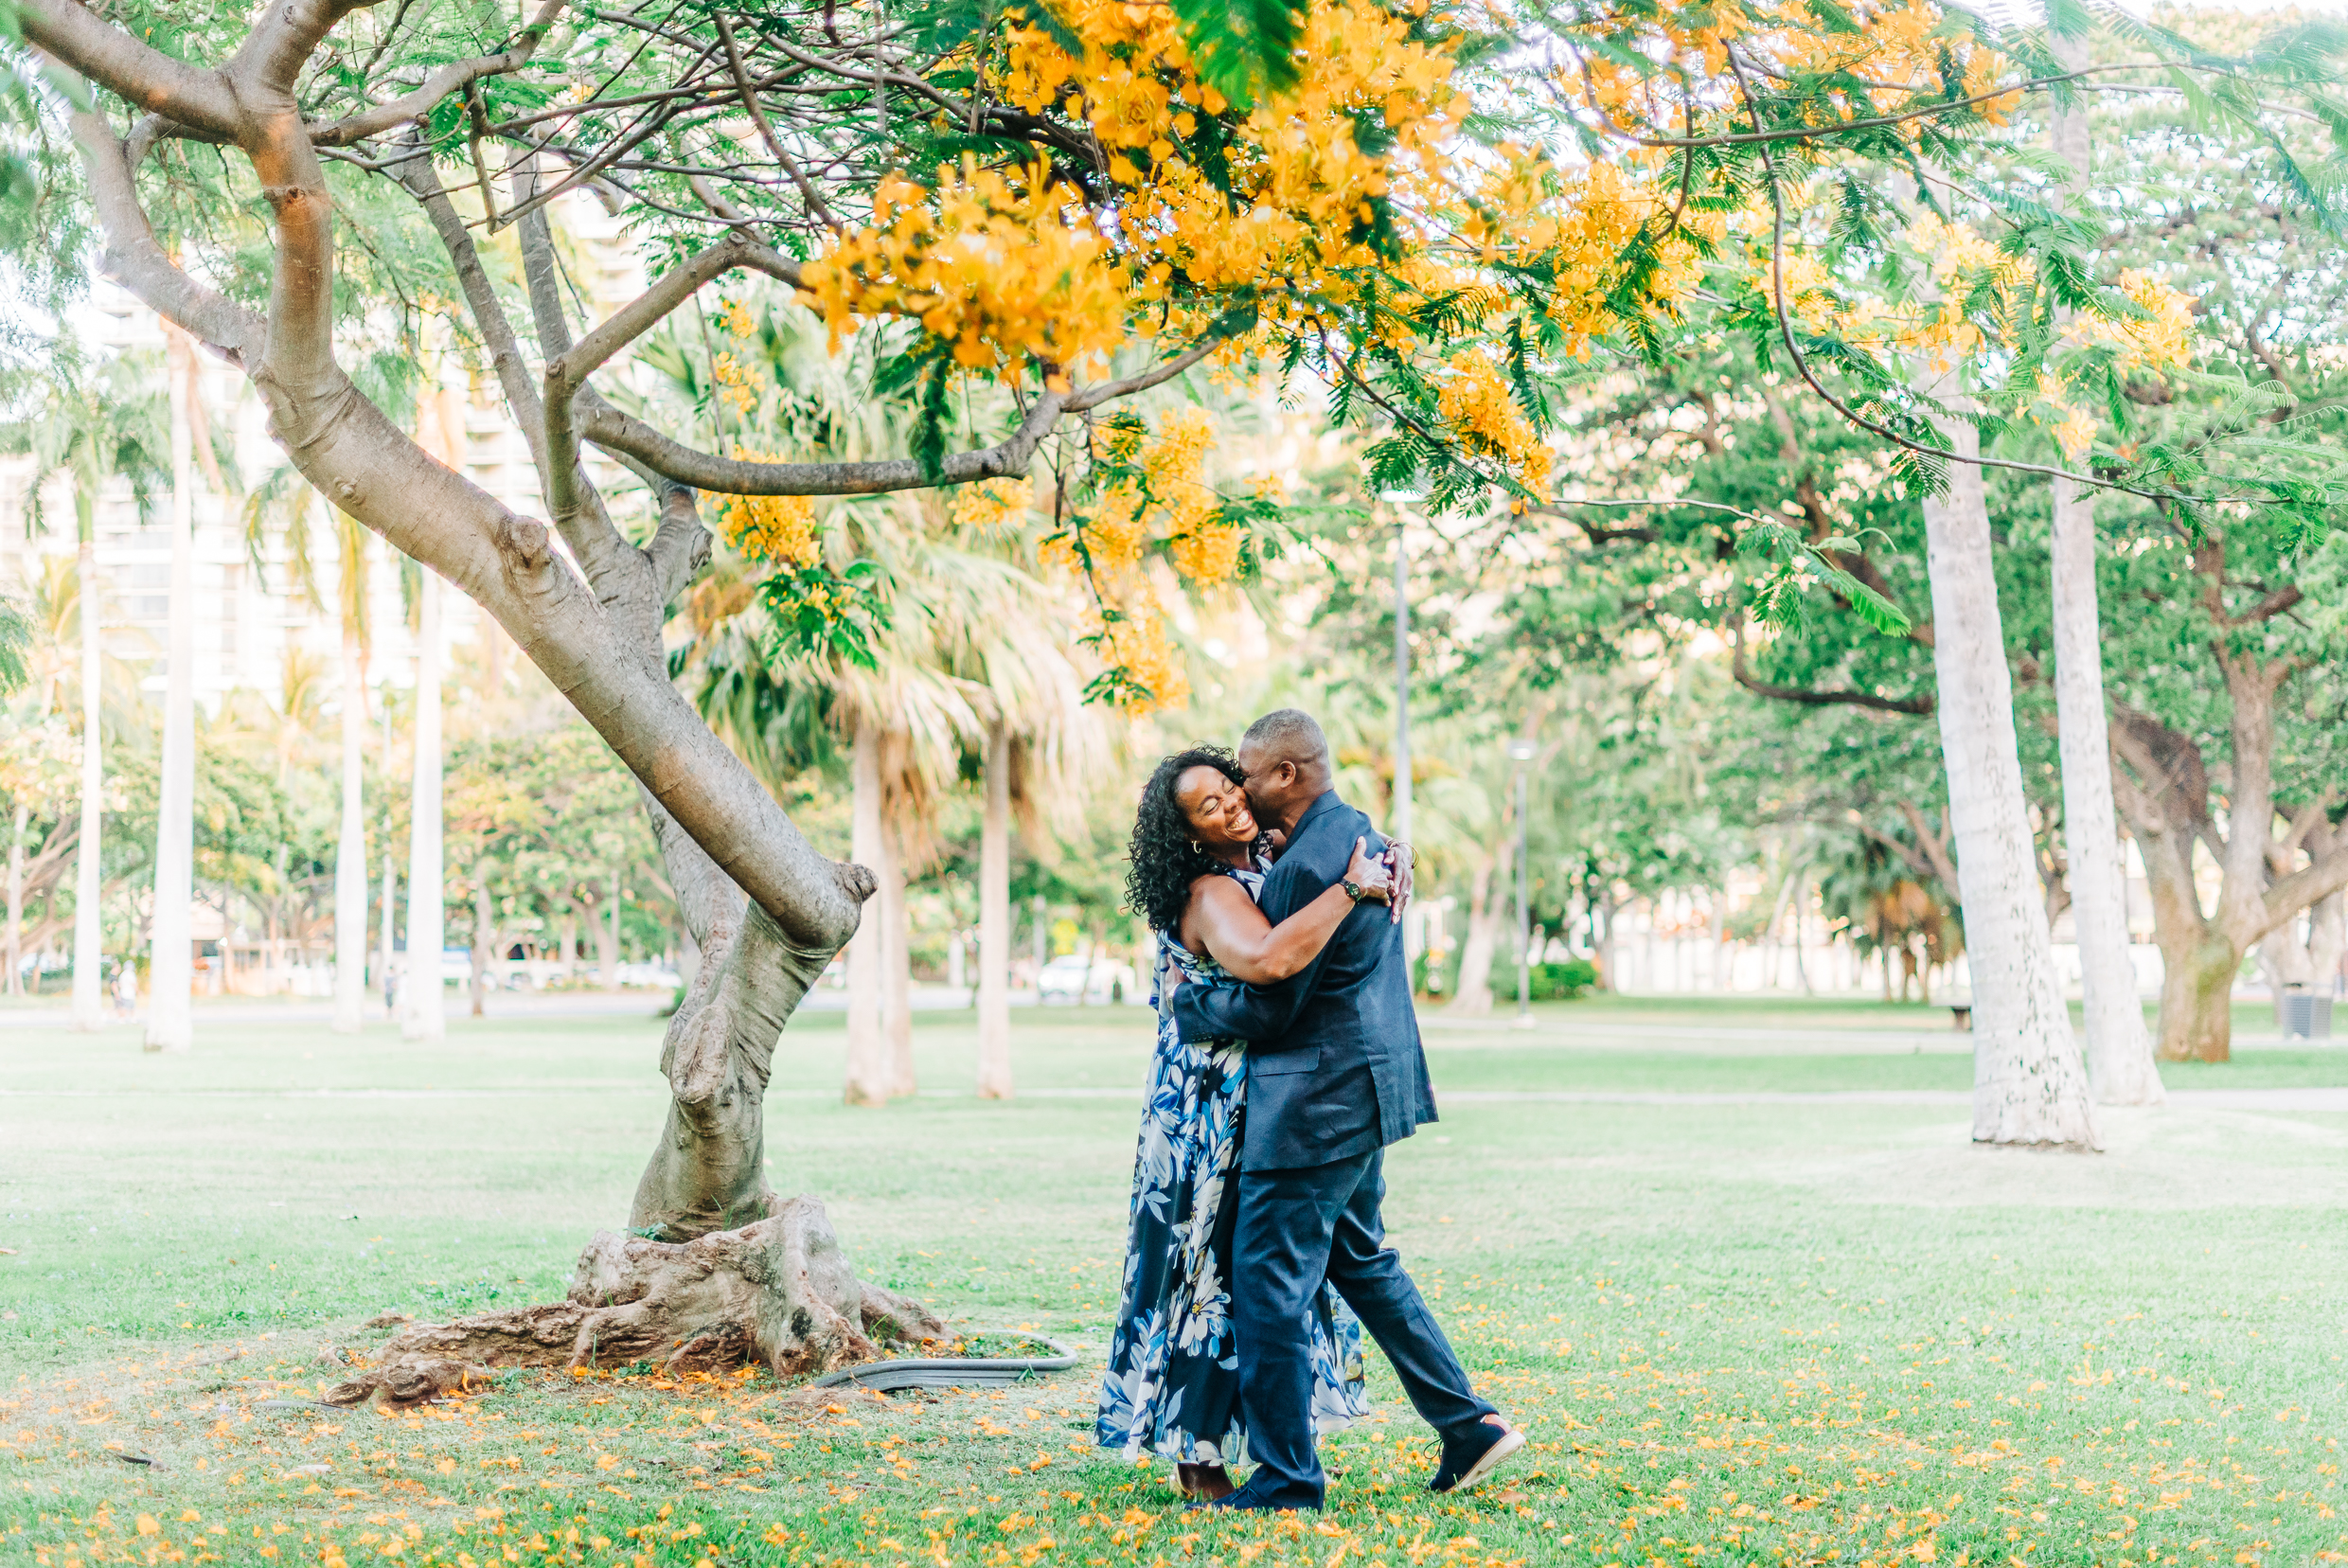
{"points": [[1335, 1073]]}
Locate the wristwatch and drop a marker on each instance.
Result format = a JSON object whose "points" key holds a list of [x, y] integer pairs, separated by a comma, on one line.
{"points": [[1355, 891]]}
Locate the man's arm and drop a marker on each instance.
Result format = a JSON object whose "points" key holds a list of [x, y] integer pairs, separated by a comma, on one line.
{"points": [[1262, 1015], [1228, 1009]]}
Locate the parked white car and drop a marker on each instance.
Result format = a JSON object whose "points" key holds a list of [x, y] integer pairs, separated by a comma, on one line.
{"points": [[1064, 979]]}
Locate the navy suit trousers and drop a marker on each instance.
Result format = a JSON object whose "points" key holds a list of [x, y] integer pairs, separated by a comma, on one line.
{"points": [[1296, 1228]]}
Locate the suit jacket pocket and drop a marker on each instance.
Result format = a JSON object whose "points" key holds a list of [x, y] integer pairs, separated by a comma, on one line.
{"points": [[1275, 1063]]}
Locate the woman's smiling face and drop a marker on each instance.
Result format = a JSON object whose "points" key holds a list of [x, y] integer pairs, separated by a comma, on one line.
{"points": [[1216, 809]]}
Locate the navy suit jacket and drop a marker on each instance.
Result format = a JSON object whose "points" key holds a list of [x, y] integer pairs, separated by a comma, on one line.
{"points": [[1334, 1063]]}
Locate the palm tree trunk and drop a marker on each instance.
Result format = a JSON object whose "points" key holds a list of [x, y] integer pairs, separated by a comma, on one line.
{"points": [[1472, 996], [868, 1056], [2119, 1047], [350, 869], [171, 977], [607, 940], [484, 936], [88, 1003], [994, 920], [2029, 1084], [425, 1006], [896, 964], [391, 898], [16, 899]]}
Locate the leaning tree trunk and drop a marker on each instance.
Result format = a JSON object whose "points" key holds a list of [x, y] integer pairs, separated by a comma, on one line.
{"points": [[170, 974], [350, 867], [994, 920], [424, 1009], [88, 1006], [869, 1062], [2029, 1085]]}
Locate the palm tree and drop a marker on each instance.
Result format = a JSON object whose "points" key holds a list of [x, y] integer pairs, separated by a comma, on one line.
{"points": [[99, 425], [285, 502], [170, 1022], [440, 430], [971, 662]]}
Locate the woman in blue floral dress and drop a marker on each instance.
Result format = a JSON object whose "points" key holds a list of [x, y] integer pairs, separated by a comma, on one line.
{"points": [[1173, 1381]]}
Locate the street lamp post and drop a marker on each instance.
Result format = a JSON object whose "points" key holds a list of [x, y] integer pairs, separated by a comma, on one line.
{"points": [[1521, 752]]}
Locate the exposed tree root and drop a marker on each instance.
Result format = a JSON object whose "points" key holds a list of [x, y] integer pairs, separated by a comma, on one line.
{"points": [[776, 1294]]}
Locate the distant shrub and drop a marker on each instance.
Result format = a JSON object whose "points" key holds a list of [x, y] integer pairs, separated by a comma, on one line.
{"points": [[1563, 982]]}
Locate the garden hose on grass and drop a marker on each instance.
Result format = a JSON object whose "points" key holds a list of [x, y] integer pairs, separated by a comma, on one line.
{"points": [[950, 1371]]}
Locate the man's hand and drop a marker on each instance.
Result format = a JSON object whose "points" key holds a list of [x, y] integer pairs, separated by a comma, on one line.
{"points": [[1401, 857]]}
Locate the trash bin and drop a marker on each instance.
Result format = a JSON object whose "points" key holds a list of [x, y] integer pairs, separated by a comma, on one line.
{"points": [[2306, 1016]]}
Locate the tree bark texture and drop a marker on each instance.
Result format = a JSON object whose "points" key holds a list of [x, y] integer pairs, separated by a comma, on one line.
{"points": [[868, 1051], [351, 850], [708, 1170], [994, 919], [88, 1006], [170, 973], [424, 1009], [2119, 1047], [776, 1294], [2029, 1083]]}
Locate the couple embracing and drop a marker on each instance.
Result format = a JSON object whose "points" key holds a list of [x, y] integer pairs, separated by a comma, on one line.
{"points": [[1288, 1057]]}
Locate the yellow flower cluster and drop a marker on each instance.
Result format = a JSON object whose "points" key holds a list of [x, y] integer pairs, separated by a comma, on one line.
{"points": [[776, 529], [2163, 340], [1481, 410], [738, 318], [997, 505], [736, 386], [1136, 643], [1005, 268], [1114, 533]]}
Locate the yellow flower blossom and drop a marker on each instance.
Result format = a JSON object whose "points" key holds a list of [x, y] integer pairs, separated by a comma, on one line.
{"points": [[1136, 644], [1483, 413], [778, 530], [997, 503]]}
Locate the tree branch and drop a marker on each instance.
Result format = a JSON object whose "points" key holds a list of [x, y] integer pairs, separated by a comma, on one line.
{"points": [[616, 432], [2295, 892], [1808, 698], [1935, 845], [680, 546], [448, 78], [136, 260], [148, 78], [423, 182]]}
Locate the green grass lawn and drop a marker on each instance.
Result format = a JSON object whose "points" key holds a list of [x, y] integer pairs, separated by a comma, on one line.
{"points": [[1741, 1333]]}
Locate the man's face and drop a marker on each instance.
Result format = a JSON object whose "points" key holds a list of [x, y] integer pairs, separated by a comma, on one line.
{"points": [[1271, 787]]}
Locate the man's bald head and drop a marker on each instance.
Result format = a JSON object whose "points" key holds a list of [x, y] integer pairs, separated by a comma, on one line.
{"points": [[1286, 758]]}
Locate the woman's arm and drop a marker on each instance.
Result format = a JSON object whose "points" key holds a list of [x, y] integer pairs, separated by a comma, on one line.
{"points": [[1226, 921]]}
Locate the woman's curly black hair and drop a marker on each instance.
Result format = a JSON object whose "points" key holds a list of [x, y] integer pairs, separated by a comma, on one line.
{"points": [[1165, 863]]}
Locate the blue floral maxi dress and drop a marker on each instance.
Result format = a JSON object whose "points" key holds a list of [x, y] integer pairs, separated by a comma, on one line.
{"points": [[1173, 1381]]}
